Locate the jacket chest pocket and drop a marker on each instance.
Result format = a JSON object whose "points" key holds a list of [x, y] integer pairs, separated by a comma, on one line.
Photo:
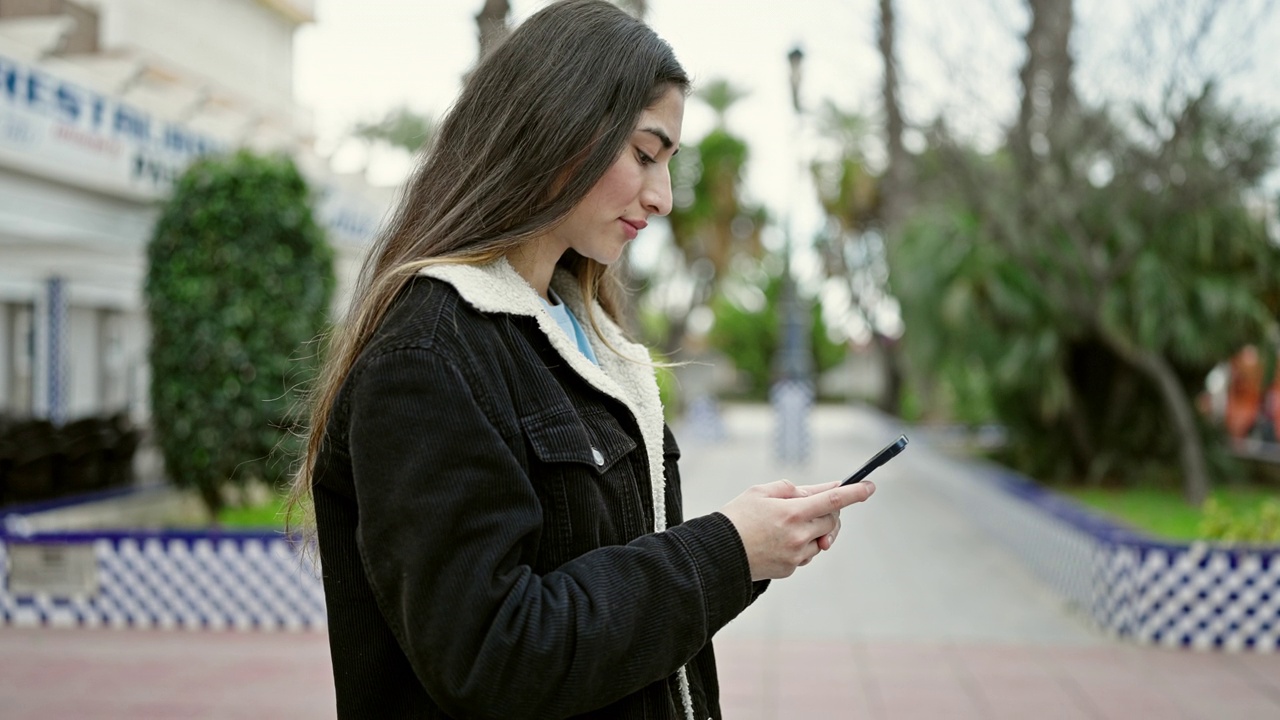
{"points": [[585, 476]]}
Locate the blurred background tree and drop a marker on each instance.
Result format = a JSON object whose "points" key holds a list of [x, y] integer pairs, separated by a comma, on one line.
{"points": [[400, 128], [1081, 279], [491, 24], [1072, 277], [747, 329], [853, 242], [711, 221], [239, 280]]}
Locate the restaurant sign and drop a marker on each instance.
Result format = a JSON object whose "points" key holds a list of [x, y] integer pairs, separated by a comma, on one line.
{"points": [[56, 128]]}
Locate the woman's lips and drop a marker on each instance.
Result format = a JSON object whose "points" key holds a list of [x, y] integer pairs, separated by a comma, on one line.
{"points": [[633, 227]]}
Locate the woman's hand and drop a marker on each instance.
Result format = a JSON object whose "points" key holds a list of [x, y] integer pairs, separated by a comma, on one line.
{"points": [[784, 526]]}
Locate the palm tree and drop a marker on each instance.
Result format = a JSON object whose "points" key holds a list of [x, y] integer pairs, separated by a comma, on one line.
{"points": [[710, 223], [400, 128], [639, 8], [856, 241], [491, 24]]}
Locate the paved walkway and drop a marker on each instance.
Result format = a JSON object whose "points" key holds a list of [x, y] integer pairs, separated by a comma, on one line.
{"points": [[917, 613], [914, 614]]}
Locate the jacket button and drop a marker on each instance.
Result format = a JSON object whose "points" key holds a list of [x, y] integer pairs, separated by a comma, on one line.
{"points": [[598, 457]]}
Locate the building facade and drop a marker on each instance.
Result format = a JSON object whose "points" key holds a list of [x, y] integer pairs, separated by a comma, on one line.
{"points": [[102, 104]]}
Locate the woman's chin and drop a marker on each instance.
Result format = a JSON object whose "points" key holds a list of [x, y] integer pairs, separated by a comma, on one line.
{"points": [[607, 258]]}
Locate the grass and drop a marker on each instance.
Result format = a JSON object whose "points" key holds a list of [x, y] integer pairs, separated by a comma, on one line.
{"points": [[1163, 513], [269, 514], [1159, 512]]}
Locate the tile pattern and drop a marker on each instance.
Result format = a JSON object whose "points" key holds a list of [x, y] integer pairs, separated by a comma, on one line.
{"points": [[1196, 595], [1199, 595], [184, 580]]}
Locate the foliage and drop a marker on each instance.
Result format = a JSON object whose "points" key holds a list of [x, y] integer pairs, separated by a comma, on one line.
{"points": [[711, 223], [847, 187], [239, 278], [857, 200], [1162, 512], [748, 333], [709, 220], [399, 128], [1064, 297], [720, 95], [1260, 526]]}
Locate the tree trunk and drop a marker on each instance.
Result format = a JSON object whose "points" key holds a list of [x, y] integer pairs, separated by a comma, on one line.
{"points": [[1195, 473], [893, 190], [211, 496], [638, 8], [492, 25], [893, 185], [1047, 94]]}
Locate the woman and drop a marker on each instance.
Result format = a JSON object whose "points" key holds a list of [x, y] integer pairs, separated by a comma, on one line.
{"points": [[495, 493]]}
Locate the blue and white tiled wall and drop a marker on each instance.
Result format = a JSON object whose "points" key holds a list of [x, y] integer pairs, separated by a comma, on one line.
{"points": [[1198, 595], [245, 581]]}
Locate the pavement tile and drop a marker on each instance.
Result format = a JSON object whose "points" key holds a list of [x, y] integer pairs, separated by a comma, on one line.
{"points": [[999, 662], [915, 614], [936, 698], [1122, 696]]}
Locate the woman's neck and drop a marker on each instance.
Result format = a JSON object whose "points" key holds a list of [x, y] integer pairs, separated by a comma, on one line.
{"points": [[535, 261]]}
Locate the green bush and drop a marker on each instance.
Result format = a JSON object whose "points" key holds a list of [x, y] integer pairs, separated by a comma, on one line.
{"points": [[750, 337], [239, 278], [1221, 523]]}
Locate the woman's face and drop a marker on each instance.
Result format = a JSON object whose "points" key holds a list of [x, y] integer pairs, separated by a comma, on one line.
{"points": [[637, 185]]}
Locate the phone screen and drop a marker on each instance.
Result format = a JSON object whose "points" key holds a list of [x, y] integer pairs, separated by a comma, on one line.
{"points": [[880, 458]]}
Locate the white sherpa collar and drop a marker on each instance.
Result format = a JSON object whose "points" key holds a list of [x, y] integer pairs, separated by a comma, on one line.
{"points": [[497, 288]]}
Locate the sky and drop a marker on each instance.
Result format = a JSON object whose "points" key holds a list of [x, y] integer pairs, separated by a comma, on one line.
{"points": [[363, 57]]}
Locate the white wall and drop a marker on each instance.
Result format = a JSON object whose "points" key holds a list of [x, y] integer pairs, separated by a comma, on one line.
{"points": [[82, 357], [240, 44], [7, 351]]}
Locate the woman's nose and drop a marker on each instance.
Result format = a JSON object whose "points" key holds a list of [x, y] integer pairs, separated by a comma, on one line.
{"points": [[656, 195]]}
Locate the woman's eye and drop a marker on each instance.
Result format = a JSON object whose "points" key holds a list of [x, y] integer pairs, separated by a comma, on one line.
{"points": [[645, 159]]}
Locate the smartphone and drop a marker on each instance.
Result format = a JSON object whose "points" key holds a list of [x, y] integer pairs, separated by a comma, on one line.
{"points": [[880, 458]]}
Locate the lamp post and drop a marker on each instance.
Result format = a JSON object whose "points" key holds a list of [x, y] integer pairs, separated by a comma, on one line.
{"points": [[792, 392]]}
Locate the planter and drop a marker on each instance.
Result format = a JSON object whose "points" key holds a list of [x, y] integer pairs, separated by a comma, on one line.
{"points": [[1198, 595], [151, 578]]}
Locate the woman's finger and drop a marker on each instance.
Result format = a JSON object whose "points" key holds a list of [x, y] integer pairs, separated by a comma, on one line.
{"points": [[833, 500], [807, 490], [826, 541]]}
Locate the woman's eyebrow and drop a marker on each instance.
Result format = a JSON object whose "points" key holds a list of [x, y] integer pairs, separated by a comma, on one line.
{"points": [[661, 135]]}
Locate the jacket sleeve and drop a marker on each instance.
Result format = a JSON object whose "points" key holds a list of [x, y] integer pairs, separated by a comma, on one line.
{"points": [[446, 513]]}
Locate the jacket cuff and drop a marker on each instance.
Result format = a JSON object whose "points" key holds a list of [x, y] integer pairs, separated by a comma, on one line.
{"points": [[758, 587], [721, 560]]}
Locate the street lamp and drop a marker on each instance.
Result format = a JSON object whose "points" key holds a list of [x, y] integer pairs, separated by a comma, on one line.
{"points": [[792, 392], [795, 58]]}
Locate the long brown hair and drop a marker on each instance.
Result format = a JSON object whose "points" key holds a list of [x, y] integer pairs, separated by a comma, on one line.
{"points": [[539, 121]]}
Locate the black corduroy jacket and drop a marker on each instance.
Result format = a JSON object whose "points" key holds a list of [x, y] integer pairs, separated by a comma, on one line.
{"points": [[499, 520]]}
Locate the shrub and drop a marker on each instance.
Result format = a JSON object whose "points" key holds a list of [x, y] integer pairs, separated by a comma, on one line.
{"points": [[750, 337], [1262, 526], [239, 277]]}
